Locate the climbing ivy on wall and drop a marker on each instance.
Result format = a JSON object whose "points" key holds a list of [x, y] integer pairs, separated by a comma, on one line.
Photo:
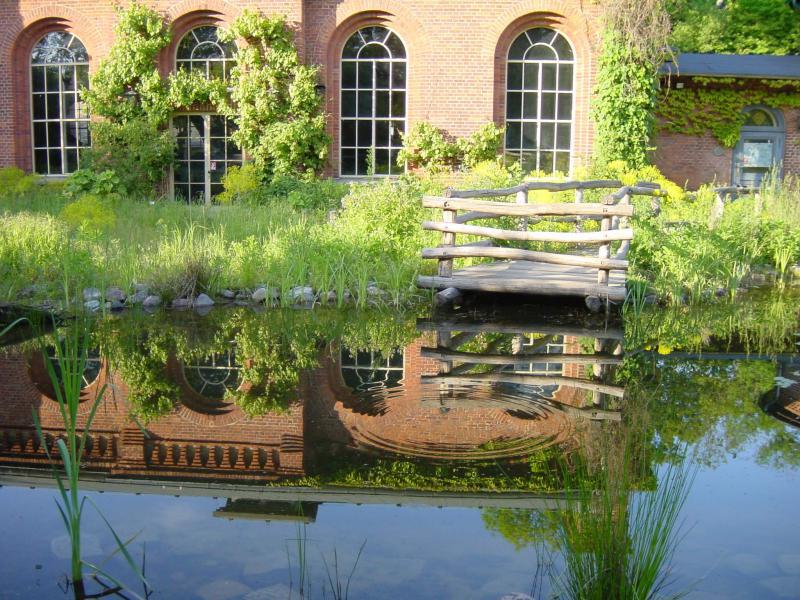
{"points": [[633, 48], [270, 95], [623, 106], [711, 108]]}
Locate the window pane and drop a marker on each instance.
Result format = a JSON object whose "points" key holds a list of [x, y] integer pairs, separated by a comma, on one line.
{"points": [[382, 71], [548, 77], [71, 134], [54, 134], [399, 75], [348, 162], [40, 161], [83, 76], [382, 130], [364, 104], [54, 160], [362, 162], [531, 76], [348, 104], [393, 166], [197, 171], [513, 135], [562, 162], [39, 135], [395, 46], [84, 135], [562, 47], [196, 148], [365, 133], [546, 162], [529, 135], [565, 107], [39, 111], [52, 77], [348, 132], [528, 161], [53, 111], [514, 76], [217, 148], [398, 128], [234, 152], [182, 172], [381, 162], [381, 104], [365, 74], [71, 160], [563, 137], [217, 123], [398, 104], [514, 105], [548, 106], [348, 74], [68, 78], [547, 136], [37, 79], [530, 108], [181, 126], [197, 126], [565, 78], [69, 106]]}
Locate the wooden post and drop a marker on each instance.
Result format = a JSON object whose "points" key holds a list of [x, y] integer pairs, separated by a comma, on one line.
{"points": [[522, 198], [604, 252], [578, 200], [448, 239]]}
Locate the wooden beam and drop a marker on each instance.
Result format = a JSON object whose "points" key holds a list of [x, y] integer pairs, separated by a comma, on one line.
{"points": [[523, 286], [529, 255], [547, 186], [593, 237], [525, 379], [519, 359], [528, 210]]}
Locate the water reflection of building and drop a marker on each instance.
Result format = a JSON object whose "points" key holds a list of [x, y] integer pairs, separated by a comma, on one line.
{"points": [[463, 392]]}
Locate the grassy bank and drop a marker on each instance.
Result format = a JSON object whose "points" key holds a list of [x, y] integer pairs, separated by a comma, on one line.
{"points": [[360, 241]]}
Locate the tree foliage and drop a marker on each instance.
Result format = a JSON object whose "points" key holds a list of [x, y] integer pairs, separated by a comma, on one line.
{"points": [[740, 26], [274, 99]]}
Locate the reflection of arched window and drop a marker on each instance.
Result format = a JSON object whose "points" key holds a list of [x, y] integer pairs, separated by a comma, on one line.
{"points": [[537, 344], [40, 376], [373, 102], [59, 69], [215, 375], [539, 84], [760, 146], [91, 368], [201, 50], [366, 371]]}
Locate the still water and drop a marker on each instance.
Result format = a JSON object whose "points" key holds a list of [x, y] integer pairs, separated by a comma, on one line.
{"points": [[323, 454]]}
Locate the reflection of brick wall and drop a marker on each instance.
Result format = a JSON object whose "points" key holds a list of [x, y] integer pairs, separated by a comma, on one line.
{"points": [[178, 444], [414, 424]]}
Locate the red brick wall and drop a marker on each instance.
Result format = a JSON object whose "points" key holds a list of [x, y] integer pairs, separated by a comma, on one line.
{"points": [[456, 52], [696, 160]]}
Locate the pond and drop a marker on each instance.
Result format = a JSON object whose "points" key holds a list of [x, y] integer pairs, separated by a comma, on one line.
{"points": [[490, 452]]}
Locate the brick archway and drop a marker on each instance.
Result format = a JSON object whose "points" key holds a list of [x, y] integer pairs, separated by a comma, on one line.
{"points": [[17, 43], [569, 19], [351, 16]]}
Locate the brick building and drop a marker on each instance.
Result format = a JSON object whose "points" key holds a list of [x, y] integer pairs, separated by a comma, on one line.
{"points": [[385, 65], [769, 139]]}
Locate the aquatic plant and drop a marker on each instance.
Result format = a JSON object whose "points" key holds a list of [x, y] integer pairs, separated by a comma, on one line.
{"points": [[65, 371]]}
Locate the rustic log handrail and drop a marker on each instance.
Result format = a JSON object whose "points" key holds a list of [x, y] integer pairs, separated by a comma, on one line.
{"points": [[563, 237], [519, 359], [613, 211], [525, 379]]}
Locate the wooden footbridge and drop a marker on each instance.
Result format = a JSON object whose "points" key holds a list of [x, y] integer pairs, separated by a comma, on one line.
{"points": [[597, 276]]}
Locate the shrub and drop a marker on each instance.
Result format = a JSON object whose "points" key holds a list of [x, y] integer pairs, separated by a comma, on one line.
{"points": [[89, 213], [14, 181], [483, 145], [240, 184], [425, 146], [137, 151], [86, 181]]}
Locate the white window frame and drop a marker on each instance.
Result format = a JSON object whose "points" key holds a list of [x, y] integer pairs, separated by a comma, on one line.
{"points": [[190, 63], [517, 152], [394, 170], [61, 119]]}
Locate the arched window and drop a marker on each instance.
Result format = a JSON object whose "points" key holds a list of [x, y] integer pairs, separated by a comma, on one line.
{"points": [[368, 371], [539, 84], [60, 120], [201, 50], [760, 146], [215, 375], [373, 102]]}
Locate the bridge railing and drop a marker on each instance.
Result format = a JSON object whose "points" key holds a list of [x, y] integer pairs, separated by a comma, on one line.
{"points": [[613, 213]]}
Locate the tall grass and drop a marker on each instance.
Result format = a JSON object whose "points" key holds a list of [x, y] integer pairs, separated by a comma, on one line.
{"points": [[65, 370]]}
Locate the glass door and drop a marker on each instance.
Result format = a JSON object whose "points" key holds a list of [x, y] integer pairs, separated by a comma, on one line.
{"points": [[204, 153]]}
